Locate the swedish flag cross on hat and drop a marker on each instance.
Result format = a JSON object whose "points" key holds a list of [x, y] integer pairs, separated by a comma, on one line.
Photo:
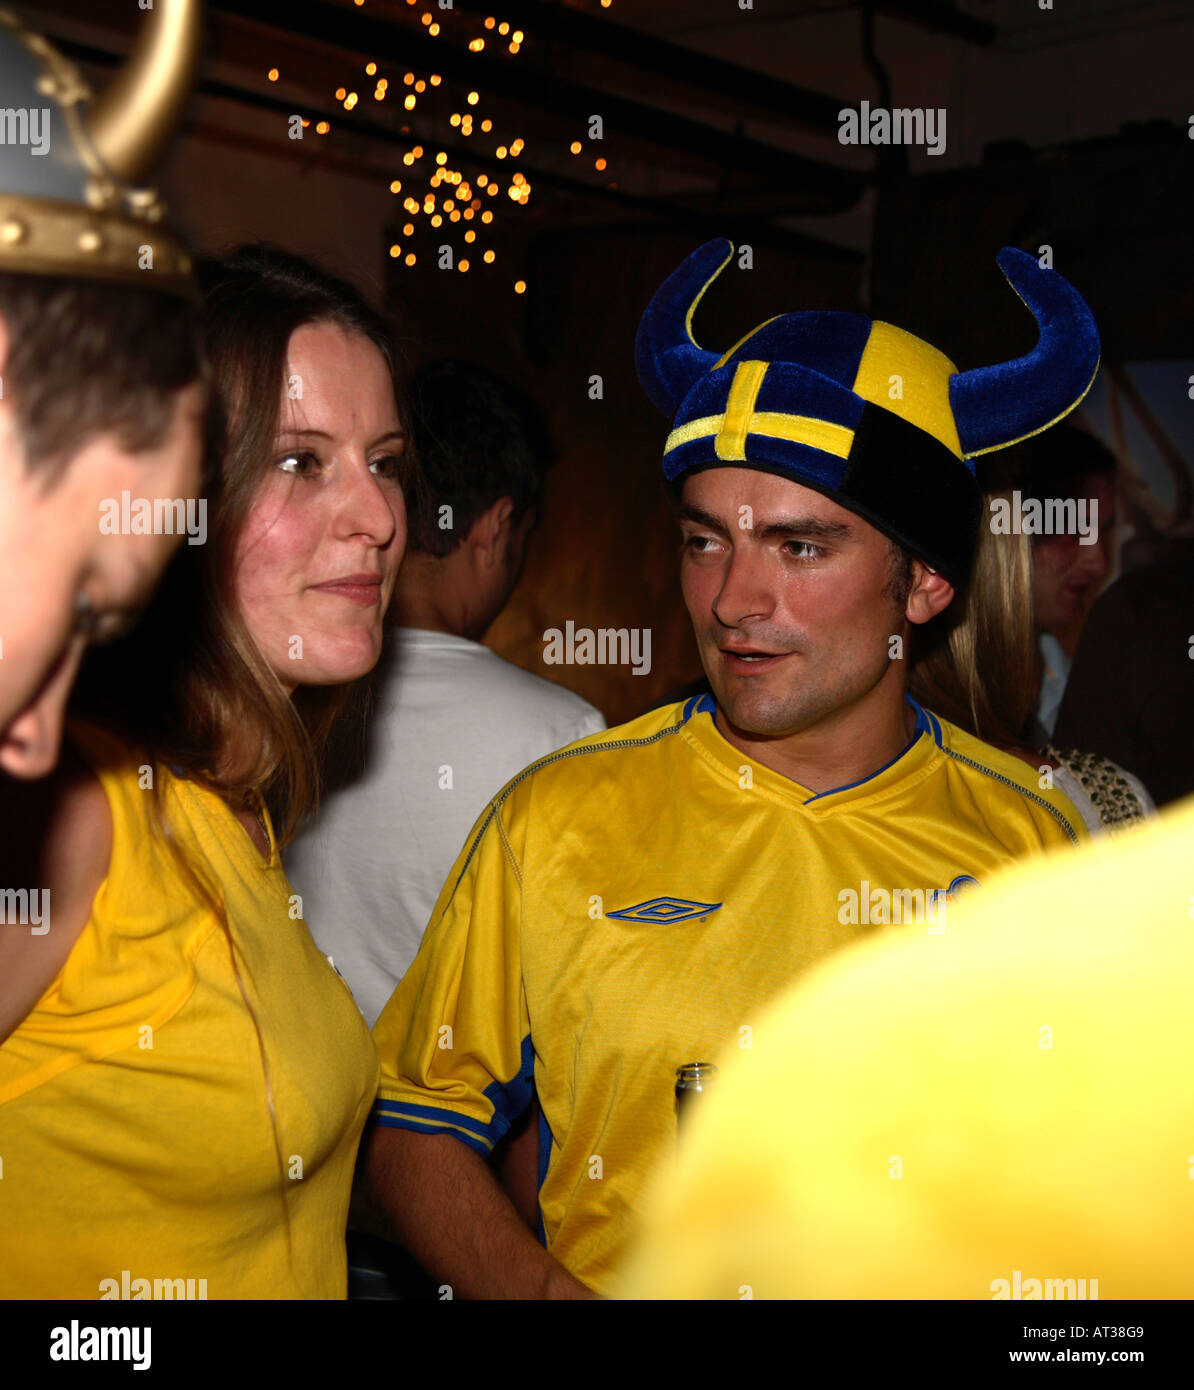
{"points": [[811, 397]]}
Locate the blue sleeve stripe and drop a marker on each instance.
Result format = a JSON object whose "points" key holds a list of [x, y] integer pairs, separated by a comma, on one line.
{"points": [[510, 1098], [477, 1145], [394, 1110]]}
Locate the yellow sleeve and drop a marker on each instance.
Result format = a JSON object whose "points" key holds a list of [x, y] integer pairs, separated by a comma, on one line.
{"points": [[454, 1039]]}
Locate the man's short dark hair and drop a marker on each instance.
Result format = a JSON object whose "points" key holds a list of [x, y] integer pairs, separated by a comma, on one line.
{"points": [[477, 438], [87, 359]]}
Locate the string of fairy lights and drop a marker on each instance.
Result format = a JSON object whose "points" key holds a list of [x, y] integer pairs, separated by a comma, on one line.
{"points": [[431, 188]]}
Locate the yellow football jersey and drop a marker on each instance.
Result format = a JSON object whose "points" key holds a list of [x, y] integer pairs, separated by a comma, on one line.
{"points": [[630, 903], [139, 1157], [1004, 1113]]}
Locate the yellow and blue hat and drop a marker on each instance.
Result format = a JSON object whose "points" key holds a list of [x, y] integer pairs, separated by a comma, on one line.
{"points": [[859, 410]]}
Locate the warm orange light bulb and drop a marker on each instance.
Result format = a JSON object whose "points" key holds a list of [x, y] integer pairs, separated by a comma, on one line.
{"points": [[520, 286], [410, 258], [272, 74], [488, 258]]}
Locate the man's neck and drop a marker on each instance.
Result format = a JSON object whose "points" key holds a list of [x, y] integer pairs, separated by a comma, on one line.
{"points": [[841, 750], [425, 598]]}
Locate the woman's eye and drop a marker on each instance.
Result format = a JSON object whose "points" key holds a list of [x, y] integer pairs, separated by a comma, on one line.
{"points": [[302, 465], [389, 466]]}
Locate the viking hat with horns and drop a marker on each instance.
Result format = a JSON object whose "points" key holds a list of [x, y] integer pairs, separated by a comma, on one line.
{"points": [[858, 410], [70, 165]]}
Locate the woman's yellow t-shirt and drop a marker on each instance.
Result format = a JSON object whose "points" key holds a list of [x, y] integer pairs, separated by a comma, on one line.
{"points": [[135, 1128]]}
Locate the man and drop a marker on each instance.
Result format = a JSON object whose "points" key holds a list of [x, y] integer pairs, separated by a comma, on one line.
{"points": [[453, 722], [628, 905], [102, 395]]}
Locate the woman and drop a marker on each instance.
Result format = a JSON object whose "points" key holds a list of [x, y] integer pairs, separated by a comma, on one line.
{"points": [[978, 667], [185, 1078]]}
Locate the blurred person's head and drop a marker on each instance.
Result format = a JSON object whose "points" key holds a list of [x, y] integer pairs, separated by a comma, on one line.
{"points": [[102, 394], [483, 451], [257, 636], [104, 398], [1066, 465]]}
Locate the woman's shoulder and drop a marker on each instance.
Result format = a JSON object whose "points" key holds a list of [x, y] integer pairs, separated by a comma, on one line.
{"points": [[1117, 797]]}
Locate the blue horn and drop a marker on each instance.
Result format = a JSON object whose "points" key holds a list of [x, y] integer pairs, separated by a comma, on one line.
{"points": [[666, 355], [1001, 405]]}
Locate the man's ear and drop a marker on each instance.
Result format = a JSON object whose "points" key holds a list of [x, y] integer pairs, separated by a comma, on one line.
{"points": [[930, 593], [488, 532]]}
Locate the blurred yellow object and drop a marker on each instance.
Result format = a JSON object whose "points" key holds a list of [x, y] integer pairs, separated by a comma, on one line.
{"points": [[956, 1116]]}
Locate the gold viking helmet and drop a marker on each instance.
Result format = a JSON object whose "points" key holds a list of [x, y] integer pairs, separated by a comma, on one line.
{"points": [[70, 165]]}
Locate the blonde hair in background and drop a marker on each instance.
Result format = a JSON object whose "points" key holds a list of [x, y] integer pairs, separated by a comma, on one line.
{"points": [[975, 666]]}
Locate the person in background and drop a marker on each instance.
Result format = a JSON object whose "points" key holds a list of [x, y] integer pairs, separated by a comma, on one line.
{"points": [[978, 668], [1131, 690], [183, 1077], [452, 722], [102, 389], [1067, 465]]}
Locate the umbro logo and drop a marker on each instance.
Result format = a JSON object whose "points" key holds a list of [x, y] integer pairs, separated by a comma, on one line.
{"points": [[665, 909]]}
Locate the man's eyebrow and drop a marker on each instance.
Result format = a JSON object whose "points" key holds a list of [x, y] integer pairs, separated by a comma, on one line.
{"points": [[784, 526], [687, 512], [805, 526]]}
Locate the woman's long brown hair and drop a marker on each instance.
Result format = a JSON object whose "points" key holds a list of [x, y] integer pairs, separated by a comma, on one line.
{"points": [[974, 665]]}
